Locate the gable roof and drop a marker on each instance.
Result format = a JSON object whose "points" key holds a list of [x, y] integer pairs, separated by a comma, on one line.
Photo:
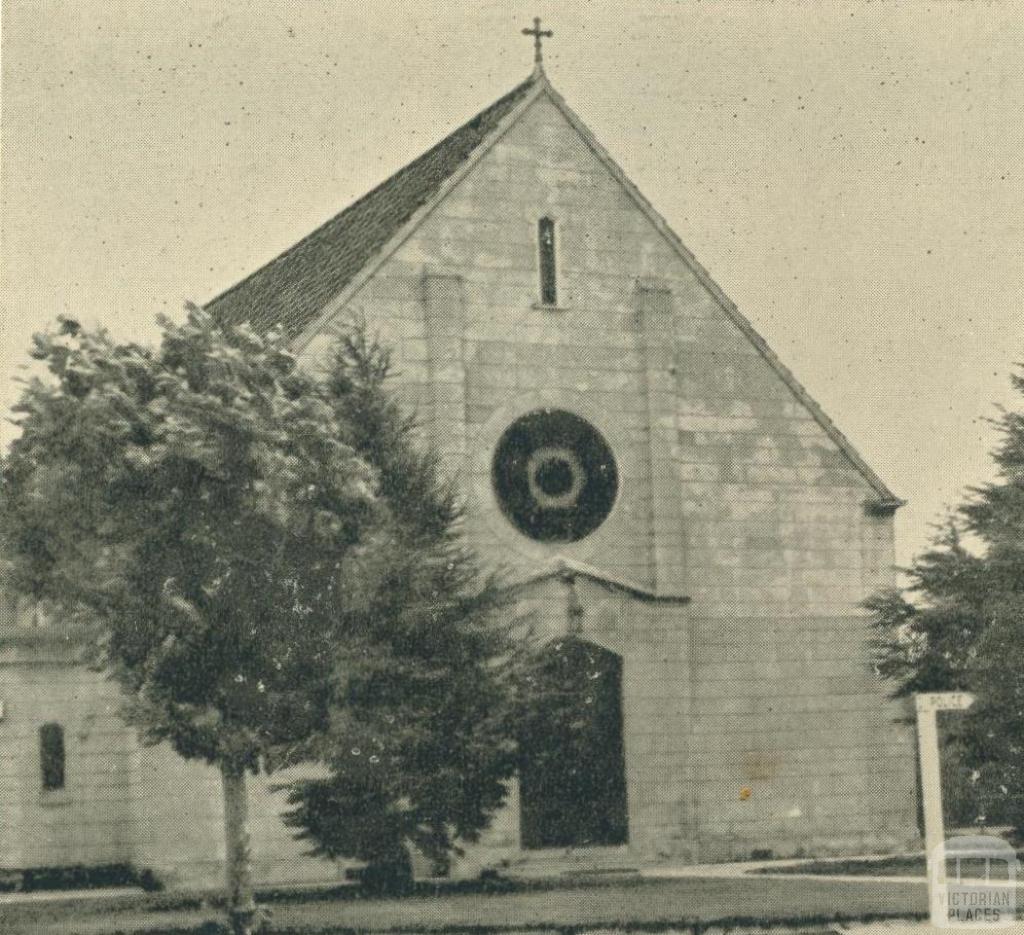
{"points": [[305, 286], [291, 289]]}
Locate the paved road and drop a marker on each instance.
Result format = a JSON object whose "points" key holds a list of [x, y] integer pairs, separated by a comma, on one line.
{"points": [[620, 906]]}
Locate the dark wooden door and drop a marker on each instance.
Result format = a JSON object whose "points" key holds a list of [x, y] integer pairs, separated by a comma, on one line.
{"points": [[573, 770]]}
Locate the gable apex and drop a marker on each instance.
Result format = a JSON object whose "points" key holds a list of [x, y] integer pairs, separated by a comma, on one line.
{"points": [[303, 288]]}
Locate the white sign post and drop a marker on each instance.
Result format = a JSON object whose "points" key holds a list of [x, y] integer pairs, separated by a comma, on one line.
{"points": [[928, 705]]}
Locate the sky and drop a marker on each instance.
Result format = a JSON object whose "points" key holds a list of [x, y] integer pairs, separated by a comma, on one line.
{"points": [[849, 173]]}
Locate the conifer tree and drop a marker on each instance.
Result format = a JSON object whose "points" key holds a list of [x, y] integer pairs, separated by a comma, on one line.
{"points": [[959, 625], [418, 747]]}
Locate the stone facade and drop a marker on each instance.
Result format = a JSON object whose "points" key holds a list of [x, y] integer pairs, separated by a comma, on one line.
{"points": [[727, 577], [733, 494]]}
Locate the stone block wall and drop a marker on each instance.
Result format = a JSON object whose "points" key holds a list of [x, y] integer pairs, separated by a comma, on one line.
{"points": [[798, 749], [732, 492], [121, 803], [90, 820]]}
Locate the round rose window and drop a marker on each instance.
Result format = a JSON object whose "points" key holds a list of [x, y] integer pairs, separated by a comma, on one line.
{"points": [[554, 476]]}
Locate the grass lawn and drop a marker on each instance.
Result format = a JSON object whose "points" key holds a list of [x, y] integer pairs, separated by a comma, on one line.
{"points": [[642, 905]]}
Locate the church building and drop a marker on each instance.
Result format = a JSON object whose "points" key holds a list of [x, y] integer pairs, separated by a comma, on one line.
{"points": [[676, 510]]}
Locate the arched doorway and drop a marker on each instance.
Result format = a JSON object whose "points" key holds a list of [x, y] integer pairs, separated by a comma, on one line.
{"points": [[572, 768]]}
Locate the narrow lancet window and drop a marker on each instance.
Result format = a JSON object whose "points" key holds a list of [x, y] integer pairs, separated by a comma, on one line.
{"points": [[548, 271], [51, 755]]}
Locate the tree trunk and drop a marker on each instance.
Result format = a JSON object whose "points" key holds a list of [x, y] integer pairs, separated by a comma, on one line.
{"points": [[243, 914]]}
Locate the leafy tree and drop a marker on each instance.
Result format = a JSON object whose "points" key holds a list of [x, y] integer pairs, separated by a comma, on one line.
{"points": [[959, 625], [418, 746], [202, 508]]}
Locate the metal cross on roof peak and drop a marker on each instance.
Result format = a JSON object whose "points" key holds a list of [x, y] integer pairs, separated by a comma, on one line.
{"points": [[538, 34]]}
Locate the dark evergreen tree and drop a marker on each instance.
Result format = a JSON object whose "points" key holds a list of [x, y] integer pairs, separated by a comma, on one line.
{"points": [[959, 625], [419, 744]]}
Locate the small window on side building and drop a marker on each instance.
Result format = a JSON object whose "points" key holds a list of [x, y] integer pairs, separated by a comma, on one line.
{"points": [[51, 756], [548, 268]]}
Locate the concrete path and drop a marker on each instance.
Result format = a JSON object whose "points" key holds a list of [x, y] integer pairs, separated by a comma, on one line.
{"points": [[763, 869], [922, 928], [60, 896]]}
